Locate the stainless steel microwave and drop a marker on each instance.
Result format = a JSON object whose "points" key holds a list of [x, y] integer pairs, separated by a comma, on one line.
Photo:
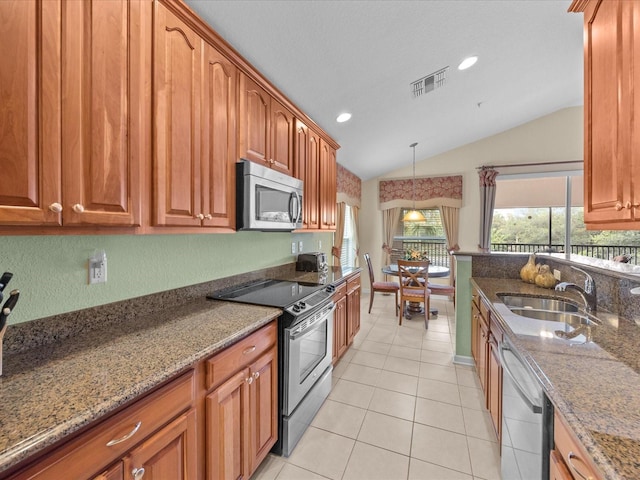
{"points": [[266, 199]]}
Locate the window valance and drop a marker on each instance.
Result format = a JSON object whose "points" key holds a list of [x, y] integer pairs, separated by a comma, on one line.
{"points": [[348, 187], [430, 192]]}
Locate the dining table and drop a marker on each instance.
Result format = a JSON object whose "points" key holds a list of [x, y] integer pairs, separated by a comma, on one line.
{"points": [[434, 271]]}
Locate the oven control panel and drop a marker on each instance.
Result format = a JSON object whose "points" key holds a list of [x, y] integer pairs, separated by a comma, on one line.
{"points": [[310, 302]]}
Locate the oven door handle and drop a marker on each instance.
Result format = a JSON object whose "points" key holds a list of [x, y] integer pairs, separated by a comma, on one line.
{"points": [[299, 333], [505, 367]]}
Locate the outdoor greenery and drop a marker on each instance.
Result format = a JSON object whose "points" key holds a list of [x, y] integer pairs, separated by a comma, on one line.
{"points": [[431, 227], [531, 225]]}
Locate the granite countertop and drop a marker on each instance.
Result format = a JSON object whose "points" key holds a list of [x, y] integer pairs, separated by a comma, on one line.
{"points": [[52, 391], [595, 386]]}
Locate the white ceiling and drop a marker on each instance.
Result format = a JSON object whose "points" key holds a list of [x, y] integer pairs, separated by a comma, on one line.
{"points": [[332, 56]]}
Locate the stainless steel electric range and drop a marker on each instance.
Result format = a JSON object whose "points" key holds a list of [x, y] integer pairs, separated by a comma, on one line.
{"points": [[305, 345]]}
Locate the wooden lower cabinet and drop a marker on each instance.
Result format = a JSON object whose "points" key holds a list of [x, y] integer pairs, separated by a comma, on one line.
{"points": [[494, 389], [340, 344], [353, 307], [241, 413], [557, 468], [170, 454]]}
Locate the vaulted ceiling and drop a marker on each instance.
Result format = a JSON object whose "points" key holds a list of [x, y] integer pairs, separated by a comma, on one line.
{"points": [[330, 56]]}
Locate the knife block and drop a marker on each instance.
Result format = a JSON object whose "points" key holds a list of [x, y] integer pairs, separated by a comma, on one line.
{"points": [[1, 343]]}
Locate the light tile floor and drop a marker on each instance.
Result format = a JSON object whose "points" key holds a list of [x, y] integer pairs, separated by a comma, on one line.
{"points": [[399, 409]]}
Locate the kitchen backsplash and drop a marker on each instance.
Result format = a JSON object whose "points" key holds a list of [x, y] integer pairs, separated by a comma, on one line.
{"points": [[613, 287]]}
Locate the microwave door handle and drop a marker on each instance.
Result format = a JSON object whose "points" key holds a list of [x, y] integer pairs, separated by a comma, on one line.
{"points": [[505, 367], [294, 213]]}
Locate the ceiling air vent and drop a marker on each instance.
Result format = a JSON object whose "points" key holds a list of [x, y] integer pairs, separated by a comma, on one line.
{"points": [[429, 83]]}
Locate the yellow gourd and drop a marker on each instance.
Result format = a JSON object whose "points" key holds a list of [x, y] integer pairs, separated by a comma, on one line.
{"points": [[545, 278], [530, 270]]}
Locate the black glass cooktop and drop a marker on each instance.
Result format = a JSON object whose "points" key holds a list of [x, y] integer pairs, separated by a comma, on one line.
{"points": [[272, 293]]}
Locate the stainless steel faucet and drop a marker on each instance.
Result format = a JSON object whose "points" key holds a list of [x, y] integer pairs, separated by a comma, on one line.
{"points": [[588, 293]]}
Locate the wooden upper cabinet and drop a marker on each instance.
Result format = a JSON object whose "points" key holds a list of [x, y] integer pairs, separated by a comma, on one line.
{"points": [[30, 152], [612, 137], [328, 193], [104, 46], [282, 131], [176, 73], [307, 169], [266, 128], [75, 162], [219, 93]]}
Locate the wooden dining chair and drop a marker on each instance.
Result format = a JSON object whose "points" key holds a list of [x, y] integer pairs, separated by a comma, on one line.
{"points": [[383, 287], [413, 286]]}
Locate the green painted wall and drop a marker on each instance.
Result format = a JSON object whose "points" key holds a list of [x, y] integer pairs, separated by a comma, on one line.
{"points": [[463, 306], [51, 272]]}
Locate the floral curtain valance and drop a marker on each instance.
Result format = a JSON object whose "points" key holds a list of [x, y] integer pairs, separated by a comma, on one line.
{"points": [[348, 187], [430, 192]]}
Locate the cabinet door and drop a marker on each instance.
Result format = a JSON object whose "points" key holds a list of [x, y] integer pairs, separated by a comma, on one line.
{"points": [[263, 407], [176, 74], [483, 352], [353, 314], [116, 472], [105, 47], [254, 117], [557, 468], [282, 130], [607, 168], [307, 169], [495, 389], [339, 329], [227, 429], [30, 130], [328, 171], [475, 332], [170, 454], [219, 79]]}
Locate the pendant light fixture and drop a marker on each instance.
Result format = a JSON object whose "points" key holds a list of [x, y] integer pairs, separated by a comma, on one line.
{"points": [[413, 215]]}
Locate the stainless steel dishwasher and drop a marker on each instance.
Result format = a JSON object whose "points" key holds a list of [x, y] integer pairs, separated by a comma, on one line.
{"points": [[527, 420]]}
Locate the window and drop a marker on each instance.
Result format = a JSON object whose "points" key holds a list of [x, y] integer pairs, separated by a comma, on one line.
{"points": [[348, 253], [427, 236], [531, 216]]}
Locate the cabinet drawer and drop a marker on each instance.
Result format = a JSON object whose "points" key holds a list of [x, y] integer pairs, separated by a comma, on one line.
{"points": [[223, 365], [92, 451], [353, 283], [572, 452], [341, 291]]}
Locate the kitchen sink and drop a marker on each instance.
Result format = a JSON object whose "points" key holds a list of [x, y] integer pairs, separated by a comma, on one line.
{"points": [[538, 303], [570, 318]]}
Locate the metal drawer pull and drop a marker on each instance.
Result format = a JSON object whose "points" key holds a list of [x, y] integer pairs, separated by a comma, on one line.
{"points": [[249, 350], [571, 456], [256, 375], [249, 380], [126, 437], [137, 473]]}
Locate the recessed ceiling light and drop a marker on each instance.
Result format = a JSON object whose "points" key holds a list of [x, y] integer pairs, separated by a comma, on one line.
{"points": [[467, 62], [343, 117]]}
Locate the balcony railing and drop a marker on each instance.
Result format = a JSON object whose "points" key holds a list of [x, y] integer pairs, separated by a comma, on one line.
{"points": [[436, 249], [605, 252]]}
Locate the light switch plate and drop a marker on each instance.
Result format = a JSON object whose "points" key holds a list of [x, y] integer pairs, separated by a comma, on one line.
{"points": [[293, 248], [300, 246]]}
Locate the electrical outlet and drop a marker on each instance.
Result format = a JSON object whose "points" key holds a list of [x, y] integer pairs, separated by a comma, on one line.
{"points": [[556, 274], [98, 268], [319, 244], [300, 246], [293, 248]]}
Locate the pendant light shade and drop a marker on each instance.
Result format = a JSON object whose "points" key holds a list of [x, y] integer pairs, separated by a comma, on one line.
{"points": [[413, 215]]}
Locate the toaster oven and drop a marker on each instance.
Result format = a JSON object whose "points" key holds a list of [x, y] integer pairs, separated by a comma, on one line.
{"points": [[312, 262]]}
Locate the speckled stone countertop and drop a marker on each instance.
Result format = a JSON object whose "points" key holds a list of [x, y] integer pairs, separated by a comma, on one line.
{"points": [[595, 386], [49, 392]]}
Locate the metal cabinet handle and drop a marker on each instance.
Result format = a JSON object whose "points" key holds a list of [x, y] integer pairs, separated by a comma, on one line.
{"points": [[55, 207], [208, 216], [200, 216], [126, 437], [619, 206], [249, 350], [571, 456], [137, 473], [78, 208], [630, 205], [256, 375], [249, 379]]}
